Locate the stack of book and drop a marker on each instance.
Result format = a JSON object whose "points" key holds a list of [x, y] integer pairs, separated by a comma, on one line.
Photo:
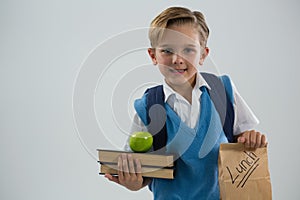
{"points": [[153, 165]]}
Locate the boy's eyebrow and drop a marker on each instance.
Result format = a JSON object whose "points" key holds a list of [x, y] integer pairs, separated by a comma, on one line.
{"points": [[192, 45], [168, 45], [165, 45]]}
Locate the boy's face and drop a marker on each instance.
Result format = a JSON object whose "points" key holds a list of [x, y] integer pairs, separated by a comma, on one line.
{"points": [[178, 54]]}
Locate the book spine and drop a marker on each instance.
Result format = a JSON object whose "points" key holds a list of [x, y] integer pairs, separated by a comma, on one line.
{"points": [[146, 159], [146, 171]]}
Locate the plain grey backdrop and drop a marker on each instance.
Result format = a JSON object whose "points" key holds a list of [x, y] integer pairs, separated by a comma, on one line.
{"points": [[44, 43]]}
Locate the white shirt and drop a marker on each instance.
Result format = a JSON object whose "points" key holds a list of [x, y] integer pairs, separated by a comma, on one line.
{"points": [[244, 119]]}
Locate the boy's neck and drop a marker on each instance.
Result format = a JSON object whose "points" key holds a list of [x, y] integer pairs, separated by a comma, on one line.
{"points": [[186, 89]]}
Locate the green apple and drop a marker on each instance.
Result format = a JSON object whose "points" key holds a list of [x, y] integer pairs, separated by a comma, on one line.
{"points": [[140, 141]]}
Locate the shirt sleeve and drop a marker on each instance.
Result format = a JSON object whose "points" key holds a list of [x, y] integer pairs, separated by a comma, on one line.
{"points": [[244, 117], [136, 126]]}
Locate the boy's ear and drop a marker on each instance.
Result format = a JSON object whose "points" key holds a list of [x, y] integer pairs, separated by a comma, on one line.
{"points": [[204, 55], [151, 52]]}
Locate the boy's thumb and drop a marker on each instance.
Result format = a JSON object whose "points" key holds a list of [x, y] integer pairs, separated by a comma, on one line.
{"points": [[241, 139]]}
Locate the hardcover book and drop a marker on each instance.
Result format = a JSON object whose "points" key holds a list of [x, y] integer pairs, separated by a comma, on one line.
{"points": [[153, 165]]}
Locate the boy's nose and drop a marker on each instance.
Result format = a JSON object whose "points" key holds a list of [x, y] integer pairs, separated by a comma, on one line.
{"points": [[177, 59]]}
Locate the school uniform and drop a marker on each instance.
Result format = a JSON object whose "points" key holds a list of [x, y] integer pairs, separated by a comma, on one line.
{"points": [[194, 133]]}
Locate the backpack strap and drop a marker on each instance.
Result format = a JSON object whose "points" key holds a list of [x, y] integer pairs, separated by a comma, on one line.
{"points": [[222, 97], [156, 117]]}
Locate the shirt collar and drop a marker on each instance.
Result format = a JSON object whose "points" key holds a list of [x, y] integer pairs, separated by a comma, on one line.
{"points": [[168, 91]]}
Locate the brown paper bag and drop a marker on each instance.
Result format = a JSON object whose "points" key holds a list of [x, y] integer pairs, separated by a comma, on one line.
{"points": [[244, 173]]}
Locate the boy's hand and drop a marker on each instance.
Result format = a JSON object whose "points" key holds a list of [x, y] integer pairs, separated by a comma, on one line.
{"points": [[129, 173], [252, 139]]}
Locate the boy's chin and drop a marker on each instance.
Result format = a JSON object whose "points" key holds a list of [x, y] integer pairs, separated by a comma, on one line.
{"points": [[179, 82]]}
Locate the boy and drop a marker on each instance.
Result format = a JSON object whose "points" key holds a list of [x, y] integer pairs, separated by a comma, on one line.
{"points": [[178, 38]]}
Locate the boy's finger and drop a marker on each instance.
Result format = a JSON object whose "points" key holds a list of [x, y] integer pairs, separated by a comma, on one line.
{"points": [[138, 166], [241, 139], [120, 167], [108, 176], [258, 141], [263, 141], [112, 178], [247, 139], [131, 165], [252, 138], [125, 166], [138, 169]]}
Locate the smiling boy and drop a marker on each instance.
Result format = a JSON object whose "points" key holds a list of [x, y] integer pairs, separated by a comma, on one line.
{"points": [[178, 39]]}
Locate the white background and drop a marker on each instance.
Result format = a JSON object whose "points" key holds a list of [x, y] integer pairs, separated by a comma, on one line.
{"points": [[43, 44]]}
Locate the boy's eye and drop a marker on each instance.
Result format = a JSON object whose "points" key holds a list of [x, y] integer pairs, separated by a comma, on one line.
{"points": [[167, 51], [188, 50]]}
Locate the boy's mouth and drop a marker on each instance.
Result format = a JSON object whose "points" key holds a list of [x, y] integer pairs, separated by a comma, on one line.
{"points": [[180, 71]]}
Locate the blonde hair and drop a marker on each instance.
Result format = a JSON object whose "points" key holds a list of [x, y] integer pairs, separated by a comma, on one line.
{"points": [[178, 16]]}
